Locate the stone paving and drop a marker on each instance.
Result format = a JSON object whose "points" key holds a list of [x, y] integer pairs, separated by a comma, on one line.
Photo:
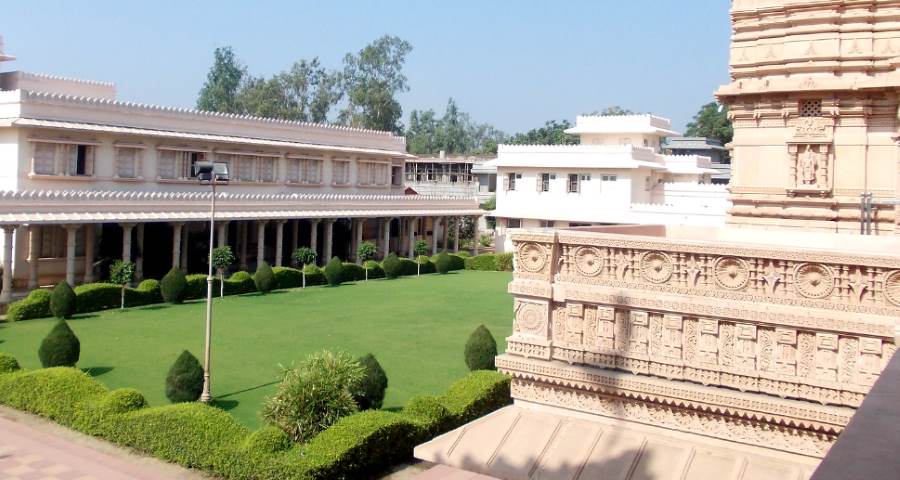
{"points": [[32, 449]]}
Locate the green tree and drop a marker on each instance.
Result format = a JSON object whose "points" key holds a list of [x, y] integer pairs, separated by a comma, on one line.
{"points": [[370, 390], [420, 247], [489, 205], [711, 122], [481, 348], [552, 133], [62, 300], [223, 82], [222, 258], [264, 278], [454, 132], [614, 110], [372, 78], [334, 272], [304, 256], [121, 272], [365, 251]]}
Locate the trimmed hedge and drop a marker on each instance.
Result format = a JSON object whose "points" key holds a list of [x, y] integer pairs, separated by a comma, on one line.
{"points": [[92, 297], [264, 278], [287, 277], [62, 300], [442, 263], [199, 436], [501, 262], [391, 266], [425, 265], [173, 286], [35, 305], [146, 293], [408, 267], [353, 273], [334, 272], [8, 363], [504, 262], [375, 269], [60, 348], [314, 275], [238, 283]]}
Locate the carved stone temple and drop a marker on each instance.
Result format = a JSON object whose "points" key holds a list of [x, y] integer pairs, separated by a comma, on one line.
{"points": [[720, 353]]}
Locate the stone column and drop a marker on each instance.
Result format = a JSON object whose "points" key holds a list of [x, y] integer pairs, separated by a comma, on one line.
{"points": [[176, 244], [71, 235], [139, 261], [89, 240], [185, 238], [314, 235], [6, 292], [475, 236], [386, 238], [329, 232], [223, 234], [295, 231], [411, 238], [456, 234], [279, 241], [358, 238], [34, 254], [260, 241], [242, 237], [445, 229], [434, 235], [126, 241]]}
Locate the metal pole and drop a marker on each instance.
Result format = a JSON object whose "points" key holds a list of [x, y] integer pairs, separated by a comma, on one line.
{"points": [[862, 213], [206, 396]]}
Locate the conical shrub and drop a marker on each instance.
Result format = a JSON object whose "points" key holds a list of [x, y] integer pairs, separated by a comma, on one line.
{"points": [[62, 300], [173, 286], [370, 393], [264, 278], [481, 349], [60, 348], [184, 383], [334, 272], [391, 266]]}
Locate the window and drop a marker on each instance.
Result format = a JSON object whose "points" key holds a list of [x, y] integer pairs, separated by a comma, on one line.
{"points": [[178, 164], [53, 239], [371, 173], [573, 185], [544, 182], [396, 176], [340, 174], [266, 169], [293, 170], [811, 108], [546, 223], [311, 170], [646, 142], [128, 162], [608, 178], [242, 167], [513, 223], [44, 161], [78, 159], [510, 180]]}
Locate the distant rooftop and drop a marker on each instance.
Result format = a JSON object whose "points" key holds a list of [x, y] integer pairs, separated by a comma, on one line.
{"points": [[693, 143], [644, 123]]}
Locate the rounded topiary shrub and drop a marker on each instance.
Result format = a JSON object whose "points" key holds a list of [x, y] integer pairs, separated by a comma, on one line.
{"points": [[8, 363], [391, 266], [60, 348], [173, 286], [122, 400], [62, 300], [425, 264], [268, 439], [373, 384], [184, 383], [334, 272], [442, 263], [264, 278], [481, 349]]}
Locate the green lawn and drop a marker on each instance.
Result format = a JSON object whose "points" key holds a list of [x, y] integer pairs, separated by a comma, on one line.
{"points": [[416, 327]]}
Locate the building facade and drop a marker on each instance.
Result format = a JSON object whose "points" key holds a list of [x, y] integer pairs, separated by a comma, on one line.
{"points": [[617, 175], [453, 175], [85, 178], [814, 101], [719, 159]]}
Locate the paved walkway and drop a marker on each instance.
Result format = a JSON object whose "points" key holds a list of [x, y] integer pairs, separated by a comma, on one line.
{"points": [[34, 449]]}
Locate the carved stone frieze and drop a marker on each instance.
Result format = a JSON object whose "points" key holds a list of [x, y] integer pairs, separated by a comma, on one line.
{"points": [[813, 280], [533, 257], [731, 273], [656, 267]]}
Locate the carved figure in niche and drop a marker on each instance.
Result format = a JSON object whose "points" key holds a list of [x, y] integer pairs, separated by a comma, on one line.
{"points": [[808, 167]]}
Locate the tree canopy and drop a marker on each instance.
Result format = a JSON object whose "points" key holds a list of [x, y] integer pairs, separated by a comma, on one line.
{"points": [[711, 122], [454, 132], [552, 133]]}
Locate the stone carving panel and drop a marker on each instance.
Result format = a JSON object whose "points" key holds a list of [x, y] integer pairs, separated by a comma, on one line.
{"points": [[656, 267], [532, 257], [731, 273], [813, 280], [589, 261], [892, 287], [532, 318]]}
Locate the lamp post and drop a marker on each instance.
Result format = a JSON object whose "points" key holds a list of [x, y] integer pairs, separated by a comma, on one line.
{"points": [[211, 173]]}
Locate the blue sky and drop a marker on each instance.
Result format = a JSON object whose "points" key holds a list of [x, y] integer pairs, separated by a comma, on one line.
{"points": [[511, 64]]}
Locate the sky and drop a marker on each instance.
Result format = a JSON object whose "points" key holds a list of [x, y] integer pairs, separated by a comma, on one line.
{"points": [[513, 64]]}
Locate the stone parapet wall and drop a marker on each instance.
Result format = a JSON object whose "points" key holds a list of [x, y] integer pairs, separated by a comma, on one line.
{"points": [[749, 342]]}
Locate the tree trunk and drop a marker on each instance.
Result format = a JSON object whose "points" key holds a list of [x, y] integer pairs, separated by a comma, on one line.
{"points": [[123, 297]]}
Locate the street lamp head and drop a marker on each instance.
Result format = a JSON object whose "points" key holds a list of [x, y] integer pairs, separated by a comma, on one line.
{"points": [[209, 172]]}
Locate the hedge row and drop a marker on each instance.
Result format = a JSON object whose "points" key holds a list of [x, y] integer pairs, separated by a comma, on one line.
{"points": [[195, 435], [500, 262], [92, 297]]}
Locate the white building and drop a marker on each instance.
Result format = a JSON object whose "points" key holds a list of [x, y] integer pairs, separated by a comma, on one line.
{"points": [[617, 175], [86, 178], [453, 175]]}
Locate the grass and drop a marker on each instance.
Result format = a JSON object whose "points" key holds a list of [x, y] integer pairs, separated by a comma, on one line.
{"points": [[416, 327]]}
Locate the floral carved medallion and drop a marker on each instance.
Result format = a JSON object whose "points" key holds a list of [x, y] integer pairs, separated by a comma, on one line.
{"points": [[531, 318], [588, 261], [656, 267], [731, 273], [892, 287], [813, 280], [532, 257]]}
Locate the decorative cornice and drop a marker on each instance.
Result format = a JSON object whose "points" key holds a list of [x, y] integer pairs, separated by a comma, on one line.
{"points": [[112, 195], [44, 76]]}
